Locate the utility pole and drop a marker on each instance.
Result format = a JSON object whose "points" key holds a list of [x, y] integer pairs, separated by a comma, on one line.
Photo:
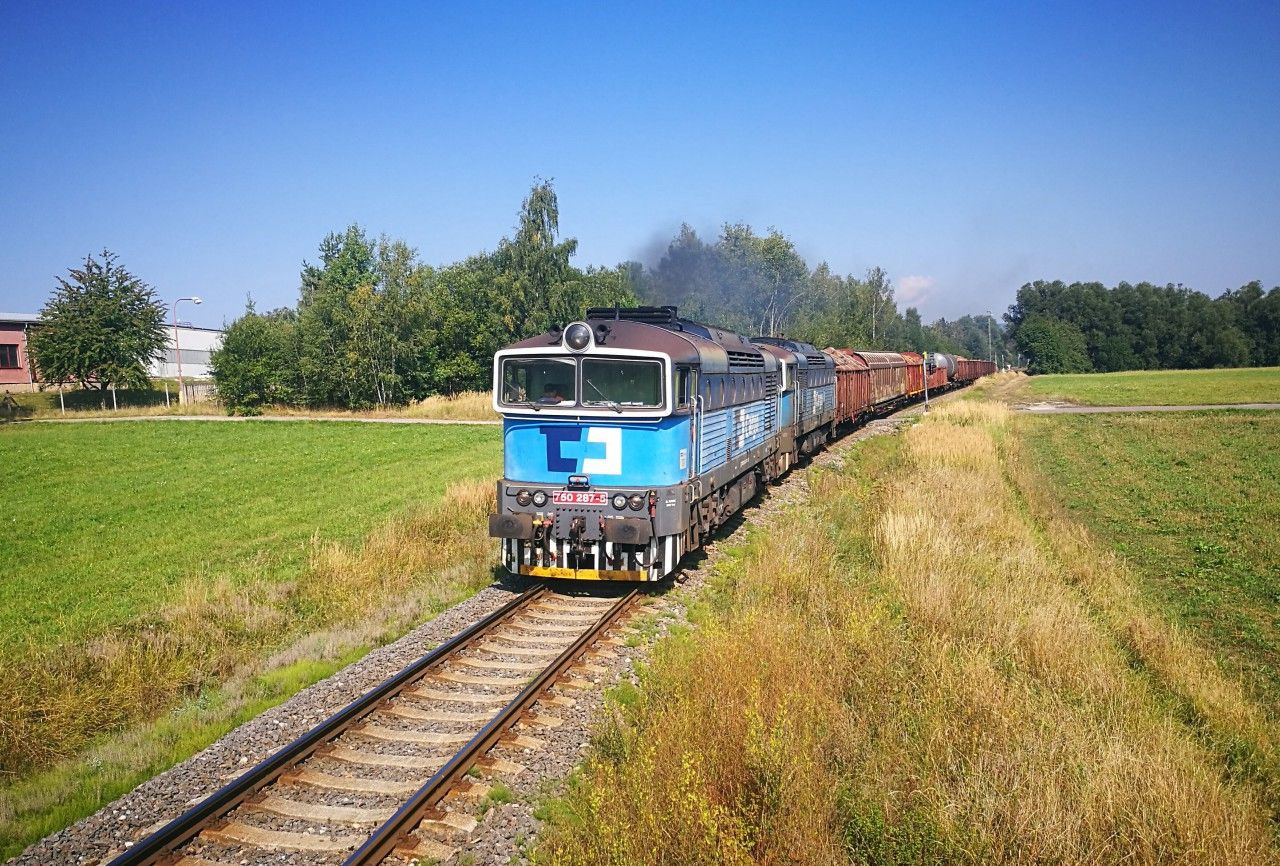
{"points": [[990, 356], [926, 372]]}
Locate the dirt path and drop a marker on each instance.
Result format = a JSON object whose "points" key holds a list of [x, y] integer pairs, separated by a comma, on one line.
{"points": [[1073, 409]]}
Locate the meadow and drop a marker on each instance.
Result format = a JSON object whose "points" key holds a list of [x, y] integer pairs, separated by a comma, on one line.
{"points": [[928, 660], [107, 522], [1192, 502], [1159, 387], [168, 580]]}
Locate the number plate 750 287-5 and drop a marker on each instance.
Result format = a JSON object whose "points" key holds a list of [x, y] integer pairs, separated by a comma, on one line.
{"points": [[573, 497]]}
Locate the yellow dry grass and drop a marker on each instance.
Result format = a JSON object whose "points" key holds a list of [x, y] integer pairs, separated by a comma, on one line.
{"points": [[918, 669], [463, 406]]}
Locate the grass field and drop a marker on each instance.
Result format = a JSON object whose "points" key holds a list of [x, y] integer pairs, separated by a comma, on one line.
{"points": [[106, 522], [1159, 387], [1193, 503], [928, 661]]}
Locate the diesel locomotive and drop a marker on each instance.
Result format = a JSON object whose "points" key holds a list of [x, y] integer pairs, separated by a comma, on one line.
{"points": [[631, 435]]}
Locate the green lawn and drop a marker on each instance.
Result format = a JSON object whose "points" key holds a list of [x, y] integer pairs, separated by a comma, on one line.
{"points": [[103, 522], [1192, 501], [1160, 387]]}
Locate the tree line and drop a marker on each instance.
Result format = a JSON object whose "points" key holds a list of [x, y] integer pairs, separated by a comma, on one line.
{"points": [[375, 326], [1087, 327]]}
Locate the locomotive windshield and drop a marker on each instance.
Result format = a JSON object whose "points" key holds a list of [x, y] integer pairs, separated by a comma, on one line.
{"points": [[611, 383], [538, 381], [634, 384]]}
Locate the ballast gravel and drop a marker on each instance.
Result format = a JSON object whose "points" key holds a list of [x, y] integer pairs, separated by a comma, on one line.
{"points": [[507, 831]]}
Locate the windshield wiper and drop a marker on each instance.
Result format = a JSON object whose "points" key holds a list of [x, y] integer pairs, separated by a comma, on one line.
{"points": [[610, 403]]}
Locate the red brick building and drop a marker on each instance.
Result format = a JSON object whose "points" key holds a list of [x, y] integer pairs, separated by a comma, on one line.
{"points": [[16, 372]]}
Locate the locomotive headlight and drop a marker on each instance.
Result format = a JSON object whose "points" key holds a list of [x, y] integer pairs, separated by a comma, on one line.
{"points": [[577, 336], [636, 501], [619, 501], [540, 498], [523, 498]]}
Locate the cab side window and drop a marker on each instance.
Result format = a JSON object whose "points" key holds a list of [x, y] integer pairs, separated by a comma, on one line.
{"points": [[685, 387]]}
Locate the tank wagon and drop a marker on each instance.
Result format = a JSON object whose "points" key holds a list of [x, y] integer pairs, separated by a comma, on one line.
{"points": [[631, 435]]}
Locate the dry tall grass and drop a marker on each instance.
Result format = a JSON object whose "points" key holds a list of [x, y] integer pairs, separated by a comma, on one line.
{"points": [[907, 671], [463, 406], [52, 706]]}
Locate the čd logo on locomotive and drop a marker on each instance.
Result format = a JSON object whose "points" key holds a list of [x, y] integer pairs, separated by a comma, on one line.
{"points": [[600, 454]]}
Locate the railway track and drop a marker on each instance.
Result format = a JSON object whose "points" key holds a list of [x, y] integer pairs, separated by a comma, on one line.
{"points": [[371, 782]]}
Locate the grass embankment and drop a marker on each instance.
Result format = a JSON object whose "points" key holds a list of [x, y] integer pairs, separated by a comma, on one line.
{"points": [[227, 563], [925, 663], [1192, 502], [1159, 387]]}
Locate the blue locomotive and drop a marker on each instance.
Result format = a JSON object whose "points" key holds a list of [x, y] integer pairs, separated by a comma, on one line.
{"points": [[631, 435]]}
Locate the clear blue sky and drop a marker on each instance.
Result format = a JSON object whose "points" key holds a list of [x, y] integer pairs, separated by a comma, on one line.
{"points": [[964, 149]]}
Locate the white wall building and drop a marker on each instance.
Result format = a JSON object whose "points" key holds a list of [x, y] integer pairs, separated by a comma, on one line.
{"points": [[197, 344]]}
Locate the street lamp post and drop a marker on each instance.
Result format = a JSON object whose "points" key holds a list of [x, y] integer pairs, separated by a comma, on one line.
{"points": [[177, 348]]}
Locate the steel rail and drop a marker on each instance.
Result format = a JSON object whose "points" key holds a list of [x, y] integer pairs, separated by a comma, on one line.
{"points": [[189, 823], [397, 828]]}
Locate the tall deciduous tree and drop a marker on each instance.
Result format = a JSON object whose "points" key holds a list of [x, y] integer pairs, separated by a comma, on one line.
{"points": [[533, 267], [257, 363], [102, 327]]}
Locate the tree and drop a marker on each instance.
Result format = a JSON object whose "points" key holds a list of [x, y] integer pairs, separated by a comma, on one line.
{"points": [[534, 268], [1053, 346], [257, 363], [880, 293], [103, 327]]}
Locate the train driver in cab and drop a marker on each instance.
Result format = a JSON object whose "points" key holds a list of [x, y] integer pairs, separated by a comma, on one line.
{"points": [[551, 394]]}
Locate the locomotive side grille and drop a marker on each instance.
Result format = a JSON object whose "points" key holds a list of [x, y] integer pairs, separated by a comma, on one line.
{"points": [[745, 361], [770, 385], [817, 359]]}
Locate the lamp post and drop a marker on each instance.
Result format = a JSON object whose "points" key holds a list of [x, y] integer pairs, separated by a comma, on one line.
{"points": [[177, 349]]}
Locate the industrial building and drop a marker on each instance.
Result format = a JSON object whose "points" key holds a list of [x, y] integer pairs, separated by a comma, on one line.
{"points": [[18, 374], [15, 367]]}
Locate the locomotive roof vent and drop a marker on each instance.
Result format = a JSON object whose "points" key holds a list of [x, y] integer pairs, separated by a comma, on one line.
{"points": [[648, 315], [577, 336]]}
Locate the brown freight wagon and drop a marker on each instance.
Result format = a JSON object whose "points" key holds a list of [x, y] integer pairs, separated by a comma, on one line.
{"points": [[888, 376], [970, 371], [853, 386], [915, 373]]}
